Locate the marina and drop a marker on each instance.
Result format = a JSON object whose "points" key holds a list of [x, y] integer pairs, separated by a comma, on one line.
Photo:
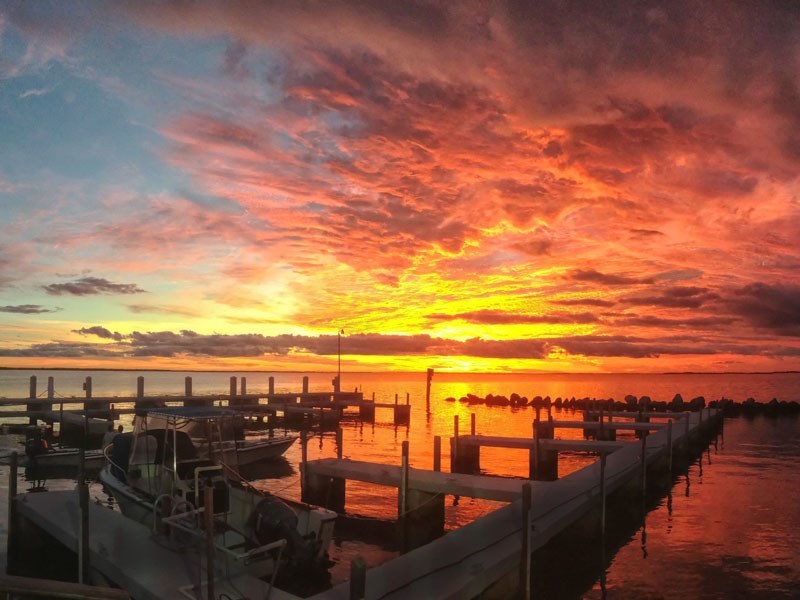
{"points": [[553, 503]]}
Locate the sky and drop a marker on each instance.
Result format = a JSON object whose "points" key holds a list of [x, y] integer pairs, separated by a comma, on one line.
{"points": [[470, 186]]}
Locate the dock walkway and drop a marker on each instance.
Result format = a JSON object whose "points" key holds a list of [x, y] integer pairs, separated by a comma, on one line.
{"points": [[466, 562]]}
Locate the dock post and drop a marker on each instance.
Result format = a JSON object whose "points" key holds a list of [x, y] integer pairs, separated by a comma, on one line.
{"points": [[305, 384], [51, 391], [11, 539], [208, 518], [546, 460], [525, 556], [243, 385], [232, 401], [402, 412], [428, 391], [603, 497], [533, 461], [358, 578], [303, 460], [437, 453], [32, 406], [339, 443], [271, 385], [402, 507], [472, 423], [454, 449], [83, 502]]}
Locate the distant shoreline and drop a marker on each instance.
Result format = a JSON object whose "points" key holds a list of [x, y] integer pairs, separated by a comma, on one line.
{"points": [[139, 370]]}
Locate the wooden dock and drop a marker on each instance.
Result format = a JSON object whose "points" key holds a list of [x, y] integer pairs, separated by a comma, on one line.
{"points": [[483, 558]]}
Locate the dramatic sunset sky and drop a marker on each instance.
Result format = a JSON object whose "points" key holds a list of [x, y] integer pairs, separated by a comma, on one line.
{"points": [[543, 185]]}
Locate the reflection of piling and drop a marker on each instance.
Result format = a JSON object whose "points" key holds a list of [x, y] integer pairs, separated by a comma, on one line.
{"points": [[428, 391]]}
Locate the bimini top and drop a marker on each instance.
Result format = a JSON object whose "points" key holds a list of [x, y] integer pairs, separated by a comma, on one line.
{"points": [[196, 413]]}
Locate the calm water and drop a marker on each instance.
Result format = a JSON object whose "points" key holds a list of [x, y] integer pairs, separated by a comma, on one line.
{"points": [[731, 532]]}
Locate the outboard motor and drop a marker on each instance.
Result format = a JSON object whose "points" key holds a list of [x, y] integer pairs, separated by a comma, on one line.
{"points": [[272, 520]]}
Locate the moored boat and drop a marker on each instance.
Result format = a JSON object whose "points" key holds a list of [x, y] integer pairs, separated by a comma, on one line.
{"points": [[159, 476]]}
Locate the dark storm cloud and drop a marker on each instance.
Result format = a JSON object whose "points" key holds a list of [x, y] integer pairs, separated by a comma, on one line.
{"points": [[585, 302], [593, 276], [91, 286], [674, 297], [773, 307], [26, 309]]}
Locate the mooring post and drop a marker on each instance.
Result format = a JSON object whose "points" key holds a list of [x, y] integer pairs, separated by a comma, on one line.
{"points": [[271, 384], [243, 385], [32, 406], [428, 391], [187, 386], [408, 398], [208, 514], [305, 384], [83, 502], [455, 458], [303, 460], [472, 423], [11, 539], [525, 556], [339, 443], [533, 464], [403, 500], [603, 497], [358, 578], [232, 392], [437, 453]]}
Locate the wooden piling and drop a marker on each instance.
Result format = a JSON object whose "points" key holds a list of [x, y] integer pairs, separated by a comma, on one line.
{"points": [[428, 391], [32, 406], [303, 460], [402, 507], [305, 384], [271, 384], [11, 538], [525, 555], [533, 465], [437, 453], [358, 578], [472, 423], [83, 503], [339, 443], [644, 464], [603, 497], [243, 385], [454, 451], [208, 514]]}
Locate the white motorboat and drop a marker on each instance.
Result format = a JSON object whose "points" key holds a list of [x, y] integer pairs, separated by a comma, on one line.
{"points": [[159, 474]]}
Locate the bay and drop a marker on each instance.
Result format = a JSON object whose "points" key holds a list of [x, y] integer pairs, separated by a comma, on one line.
{"points": [[730, 532]]}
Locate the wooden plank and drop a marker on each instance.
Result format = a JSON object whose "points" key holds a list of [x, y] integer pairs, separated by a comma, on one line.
{"points": [[612, 425], [434, 482]]}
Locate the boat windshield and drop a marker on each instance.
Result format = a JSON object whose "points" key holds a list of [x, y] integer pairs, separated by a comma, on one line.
{"points": [[173, 436]]}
